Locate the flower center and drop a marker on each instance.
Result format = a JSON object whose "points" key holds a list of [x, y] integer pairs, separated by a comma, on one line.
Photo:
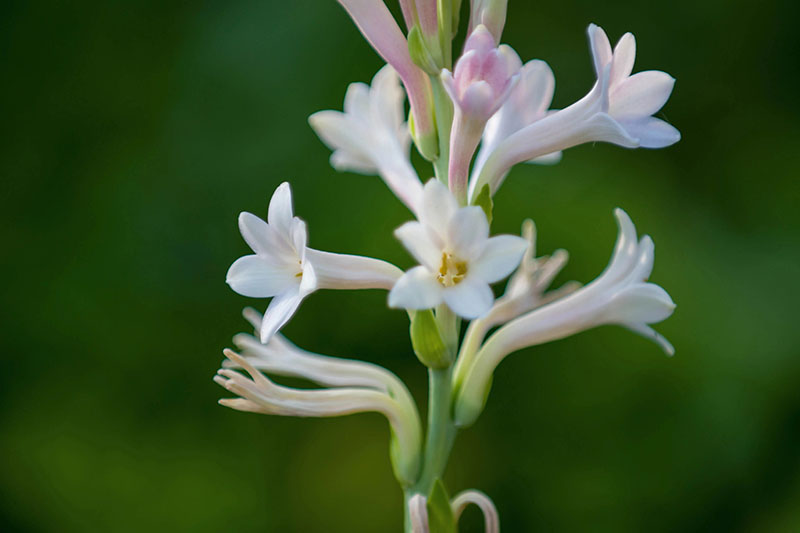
{"points": [[452, 270]]}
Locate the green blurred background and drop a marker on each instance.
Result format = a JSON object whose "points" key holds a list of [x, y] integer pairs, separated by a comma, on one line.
{"points": [[135, 132]]}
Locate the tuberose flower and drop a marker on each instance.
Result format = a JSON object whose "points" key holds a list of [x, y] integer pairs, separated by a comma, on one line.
{"points": [[458, 258], [617, 110], [371, 136], [285, 269], [620, 295]]}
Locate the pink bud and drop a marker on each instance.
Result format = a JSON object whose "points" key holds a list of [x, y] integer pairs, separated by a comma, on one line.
{"points": [[483, 76]]}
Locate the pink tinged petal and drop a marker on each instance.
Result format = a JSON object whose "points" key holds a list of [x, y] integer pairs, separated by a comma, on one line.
{"points": [[470, 299], [640, 303], [255, 277], [477, 100], [416, 289], [280, 310], [537, 85], [438, 207], [601, 48], [428, 18], [264, 239], [416, 238], [468, 232], [641, 95], [480, 40], [280, 209], [602, 127], [499, 259], [652, 132], [624, 57]]}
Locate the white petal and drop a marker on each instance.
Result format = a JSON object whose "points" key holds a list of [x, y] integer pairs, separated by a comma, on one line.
{"points": [[356, 100], [624, 57], [644, 265], [299, 236], [280, 210], [600, 46], [418, 242], [280, 310], [467, 232], [652, 132], [309, 283], [345, 161], [256, 277], [264, 239], [641, 95], [500, 257], [602, 127], [640, 303], [438, 206], [342, 271], [472, 298], [417, 289], [547, 159], [538, 84], [341, 132], [625, 249]]}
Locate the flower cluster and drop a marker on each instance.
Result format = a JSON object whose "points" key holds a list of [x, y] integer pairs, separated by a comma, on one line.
{"points": [[473, 117]]}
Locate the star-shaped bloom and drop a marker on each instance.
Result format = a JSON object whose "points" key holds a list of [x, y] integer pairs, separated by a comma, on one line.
{"points": [[285, 269], [458, 258], [370, 136], [279, 268]]}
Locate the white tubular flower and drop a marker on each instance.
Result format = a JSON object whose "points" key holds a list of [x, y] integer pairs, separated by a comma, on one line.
{"points": [[458, 259], [482, 80], [617, 110], [491, 518], [528, 102], [620, 295], [284, 268], [260, 395], [370, 136]]}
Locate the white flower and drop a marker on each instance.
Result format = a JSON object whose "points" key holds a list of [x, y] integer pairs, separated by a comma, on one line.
{"points": [[528, 102], [285, 269], [370, 136], [617, 110], [620, 295], [458, 259]]}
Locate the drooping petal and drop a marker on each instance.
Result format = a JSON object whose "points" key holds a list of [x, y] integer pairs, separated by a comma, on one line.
{"points": [[649, 333], [652, 132], [467, 232], [472, 298], [417, 289], [417, 241], [280, 310], [280, 209], [256, 277], [500, 257]]}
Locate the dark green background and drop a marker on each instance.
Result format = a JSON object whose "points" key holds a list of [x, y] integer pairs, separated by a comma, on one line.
{"points": [[133, 134]]}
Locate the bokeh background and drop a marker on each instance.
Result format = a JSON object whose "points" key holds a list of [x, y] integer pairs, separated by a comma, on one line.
{"points": [[133, 134]]}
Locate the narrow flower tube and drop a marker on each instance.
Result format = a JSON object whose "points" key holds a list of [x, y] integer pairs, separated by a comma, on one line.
{"points": [[371, 136], [481, 81], [381, 30], [620, 295], [285, 269], [418, 514], [491, 518], [617, 110], [258, 394]]}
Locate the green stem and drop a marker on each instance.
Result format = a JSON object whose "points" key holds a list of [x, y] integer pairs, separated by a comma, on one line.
{"points": [[441, 430], [443, 108]]}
